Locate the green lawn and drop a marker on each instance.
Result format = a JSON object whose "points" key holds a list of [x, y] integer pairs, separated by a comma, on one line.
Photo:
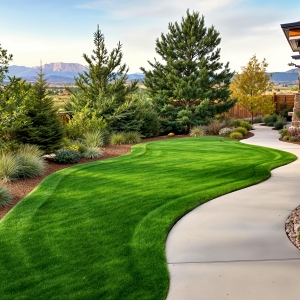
{"points": [[98, 231]]}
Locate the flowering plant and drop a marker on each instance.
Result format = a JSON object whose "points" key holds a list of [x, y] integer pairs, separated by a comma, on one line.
{"points": [[226, 131]]}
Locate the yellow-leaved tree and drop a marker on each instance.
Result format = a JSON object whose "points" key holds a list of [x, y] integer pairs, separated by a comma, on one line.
{"points": [[250, 87]]}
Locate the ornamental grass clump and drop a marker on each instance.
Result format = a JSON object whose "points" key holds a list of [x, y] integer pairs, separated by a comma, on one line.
{"points": [[236, 135], [132, 137], [198, 131], [242, 130], [9, 167], [5, 196], [30, 161], [92, 152], [226, 131], [94, 138], [117, 138], [214, 126]]}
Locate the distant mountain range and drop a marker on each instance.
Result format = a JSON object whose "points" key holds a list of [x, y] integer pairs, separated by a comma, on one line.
{"points": [[64, 73], [56, 72]]}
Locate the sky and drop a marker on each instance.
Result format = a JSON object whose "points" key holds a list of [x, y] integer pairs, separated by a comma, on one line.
{"points": [[62, 30]]}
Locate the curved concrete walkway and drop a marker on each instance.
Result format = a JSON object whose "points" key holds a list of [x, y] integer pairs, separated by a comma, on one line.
{"points": [[235, 246]]}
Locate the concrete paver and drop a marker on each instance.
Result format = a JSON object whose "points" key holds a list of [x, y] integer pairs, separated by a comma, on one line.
{"points": [[242, 236]]}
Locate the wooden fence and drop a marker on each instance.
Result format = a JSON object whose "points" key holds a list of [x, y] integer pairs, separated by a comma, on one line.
{"points": [[281, 102]]}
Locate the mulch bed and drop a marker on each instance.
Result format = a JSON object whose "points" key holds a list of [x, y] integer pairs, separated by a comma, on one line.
{"points": [[20, 188]]}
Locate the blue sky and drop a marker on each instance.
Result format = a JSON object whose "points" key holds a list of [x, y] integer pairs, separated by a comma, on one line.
{"points": [[62, 30]]}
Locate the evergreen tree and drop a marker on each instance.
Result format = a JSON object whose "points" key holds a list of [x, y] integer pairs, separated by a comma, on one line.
{"points": [[251, 85], [45, 128], [103, 87], [189, 71]]}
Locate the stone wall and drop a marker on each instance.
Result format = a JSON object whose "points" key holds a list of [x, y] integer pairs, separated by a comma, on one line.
{"points": [[296, 111]]}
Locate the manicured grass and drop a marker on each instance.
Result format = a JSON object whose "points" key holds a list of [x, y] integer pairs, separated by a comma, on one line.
{"points": [[98, 231]]}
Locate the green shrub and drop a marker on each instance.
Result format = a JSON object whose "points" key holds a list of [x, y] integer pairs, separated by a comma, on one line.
{"points": [[286, 137], [236, 123], [279, 124], [198, 130], [5, 196], [258, 119], [31, 163], [270, 120], [214, 126], [9, 167], [236, 135], [283, 132], [74, 144], [83, 122], [246, 125], [131, 137], [67, 156], [117, 138], [92, 152], [94, 138], [242, 130], [293, 139]]}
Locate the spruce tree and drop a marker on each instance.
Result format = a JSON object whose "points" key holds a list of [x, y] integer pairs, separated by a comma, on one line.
{"points": [[104, 86], [45, 128], [189, 71]]}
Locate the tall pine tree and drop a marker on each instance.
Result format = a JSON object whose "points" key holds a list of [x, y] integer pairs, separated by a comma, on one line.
{"points": [[104, 86], [45, 128], [189, 72]]}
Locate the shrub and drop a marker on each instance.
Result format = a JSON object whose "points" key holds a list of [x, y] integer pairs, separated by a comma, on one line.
{"points": [[236, 135], [294, 132], [242, 130], [94, 138], [258, 119], [279, 124], [270, 120], [83, 122], [5, 196], [117, 138], [131, 137], [67, 156], [283, 132], [171, 134], [246, 125], [286, 138], [214, 126], [293, 139], [236, 123], [226, 131], [198, 130], [76, 145], [31, 163], [93, 152], [9, 167]]}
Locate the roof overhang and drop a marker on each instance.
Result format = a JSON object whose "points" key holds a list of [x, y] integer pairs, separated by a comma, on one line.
{"points": [[292, 34]]}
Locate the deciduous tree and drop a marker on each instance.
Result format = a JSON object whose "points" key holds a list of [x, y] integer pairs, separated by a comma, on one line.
{"points": [[250, 87]]}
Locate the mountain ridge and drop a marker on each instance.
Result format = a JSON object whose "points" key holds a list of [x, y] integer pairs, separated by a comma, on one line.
{"points": [[61, 72]]}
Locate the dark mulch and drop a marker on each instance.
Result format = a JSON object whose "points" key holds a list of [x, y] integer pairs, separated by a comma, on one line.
{"points": [[20, 188]]}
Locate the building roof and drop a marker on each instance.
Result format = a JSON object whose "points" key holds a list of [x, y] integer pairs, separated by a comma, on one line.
{"points": [[292, 34]]}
